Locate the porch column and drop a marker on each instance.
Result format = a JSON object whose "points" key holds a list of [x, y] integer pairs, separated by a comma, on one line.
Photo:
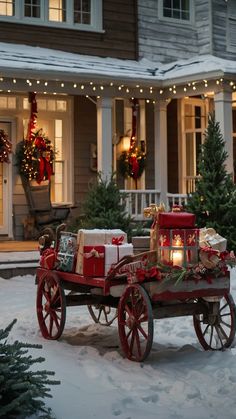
{"points": [[223, 114], [104, 137], [160, 148]]}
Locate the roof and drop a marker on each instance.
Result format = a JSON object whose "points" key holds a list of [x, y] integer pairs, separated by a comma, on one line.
{"points": [[16, 59]]}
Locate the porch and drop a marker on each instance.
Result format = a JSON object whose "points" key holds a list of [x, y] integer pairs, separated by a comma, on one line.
{"points": [[18, 258], [137, 200]]}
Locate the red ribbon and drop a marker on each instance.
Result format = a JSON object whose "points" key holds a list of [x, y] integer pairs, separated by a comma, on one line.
{"points": [[117, 241]]}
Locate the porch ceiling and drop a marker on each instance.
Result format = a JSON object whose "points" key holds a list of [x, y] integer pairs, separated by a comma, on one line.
{"points": [[25, 68]]}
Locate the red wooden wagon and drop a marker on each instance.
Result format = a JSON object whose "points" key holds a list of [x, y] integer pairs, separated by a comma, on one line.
{"points": [[136, 305]]}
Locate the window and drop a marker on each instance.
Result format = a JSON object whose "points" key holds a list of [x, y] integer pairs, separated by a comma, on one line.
{"points": [[57, 10], [7, 8], [194, 124], [73, 14], [176, 9], [231, 25], [32, 8]]}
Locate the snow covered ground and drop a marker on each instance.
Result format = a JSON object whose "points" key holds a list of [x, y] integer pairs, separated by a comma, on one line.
{"points": [[178, 379]]}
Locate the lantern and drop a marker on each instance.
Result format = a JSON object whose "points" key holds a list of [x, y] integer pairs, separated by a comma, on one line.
{"points": [[178, 246]]}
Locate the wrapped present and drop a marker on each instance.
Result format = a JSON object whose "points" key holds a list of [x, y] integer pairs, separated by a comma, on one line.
{"points": [[94, 261], [176, 219], [97, 260], [48, 259], [67, 251], [114, 253], [96, 237], [210, 238]]}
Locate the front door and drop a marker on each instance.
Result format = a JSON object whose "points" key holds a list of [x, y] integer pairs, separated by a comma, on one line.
{"points": [[6, 189]]}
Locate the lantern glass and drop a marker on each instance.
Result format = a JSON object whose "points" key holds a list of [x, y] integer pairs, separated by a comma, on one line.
{"points": [[178, 246]]}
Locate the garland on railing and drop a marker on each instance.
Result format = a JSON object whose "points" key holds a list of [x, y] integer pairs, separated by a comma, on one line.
{"points": [[131, 163]]}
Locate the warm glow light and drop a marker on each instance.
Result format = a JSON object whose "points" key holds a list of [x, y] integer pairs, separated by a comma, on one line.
{"points": [[125, 143], [177, 257]]}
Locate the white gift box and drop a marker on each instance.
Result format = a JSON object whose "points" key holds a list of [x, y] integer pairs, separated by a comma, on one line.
{"points": [[208, 237], [113, 254], [95, 237]]}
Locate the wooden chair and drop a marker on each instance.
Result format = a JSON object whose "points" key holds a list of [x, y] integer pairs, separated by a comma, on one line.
{"points": [[40, 207]]}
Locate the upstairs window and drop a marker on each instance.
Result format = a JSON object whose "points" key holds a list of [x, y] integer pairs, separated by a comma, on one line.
{"points": [[231, 25], [179, 10], [7, 8], [57, 10], [72, 14]]}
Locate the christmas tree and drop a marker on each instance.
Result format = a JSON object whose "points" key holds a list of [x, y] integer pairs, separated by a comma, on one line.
{"points": [[103, 207], [21, 390], [214, 200]]}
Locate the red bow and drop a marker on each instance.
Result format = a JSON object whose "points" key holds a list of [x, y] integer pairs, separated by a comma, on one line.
{"points": [[117, 240]]}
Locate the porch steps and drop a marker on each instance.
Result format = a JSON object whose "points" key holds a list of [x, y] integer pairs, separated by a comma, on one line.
{"points": [[18, 263]]}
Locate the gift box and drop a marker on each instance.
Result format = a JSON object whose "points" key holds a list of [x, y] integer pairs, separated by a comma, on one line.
{"points": [[48, 259], [114, 253], [97, 260], [176, 219], [67, 251], [96, 237], [94, 261], [210, 238]]}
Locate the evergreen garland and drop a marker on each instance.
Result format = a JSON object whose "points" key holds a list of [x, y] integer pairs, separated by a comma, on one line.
{"points": [[125, 163], [35, 157], [21, 390], [5, 147], [214, 200]]}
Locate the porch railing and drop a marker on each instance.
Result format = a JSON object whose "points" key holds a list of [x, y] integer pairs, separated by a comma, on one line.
{"points": [[137, 200]]}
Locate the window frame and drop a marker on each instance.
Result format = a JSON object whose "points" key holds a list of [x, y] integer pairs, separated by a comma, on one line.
{"points": [[231, 20], [174, 20], [96, 17]]}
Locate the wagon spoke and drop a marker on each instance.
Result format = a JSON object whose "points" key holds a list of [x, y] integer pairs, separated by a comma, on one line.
{"points": [[225, 314], [222, 308], [50, 324], [54, 316], [138, 342], [211, 335], [218, 333], [132, 342], [129, 333], [142, 331], [225, 336], [206, 329], [226, 324], [46, 295], [128, 310], [46, 315]]}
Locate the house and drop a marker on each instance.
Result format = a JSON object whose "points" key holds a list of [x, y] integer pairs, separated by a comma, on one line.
{"points": [[100, 67]]}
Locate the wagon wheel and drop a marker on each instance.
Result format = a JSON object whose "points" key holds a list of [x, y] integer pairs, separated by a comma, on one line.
{"points": [[135, 322], [51, 306], [101, 314], [216, 328]]}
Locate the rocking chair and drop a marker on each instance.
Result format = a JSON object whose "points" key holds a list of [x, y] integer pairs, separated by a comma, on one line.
{"points": [[40, 207]]}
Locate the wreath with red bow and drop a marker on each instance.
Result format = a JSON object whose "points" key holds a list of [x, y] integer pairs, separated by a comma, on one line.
{"points": [[131, 163], [35, 154]]}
